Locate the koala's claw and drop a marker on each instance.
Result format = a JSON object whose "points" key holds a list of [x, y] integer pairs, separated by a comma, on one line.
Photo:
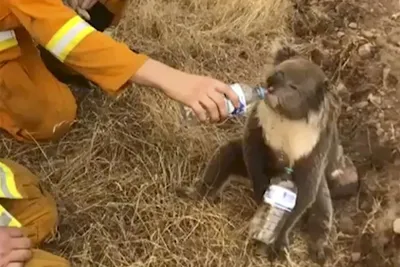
{"points": [[187, 192], [279, 249], [319, 253], [196, 194]]}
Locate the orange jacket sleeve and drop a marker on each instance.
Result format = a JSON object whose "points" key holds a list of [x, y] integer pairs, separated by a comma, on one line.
{"points": [[61, 31]]}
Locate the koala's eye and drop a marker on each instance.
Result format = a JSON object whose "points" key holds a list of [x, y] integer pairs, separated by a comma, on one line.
{"points": [[294, 87]]}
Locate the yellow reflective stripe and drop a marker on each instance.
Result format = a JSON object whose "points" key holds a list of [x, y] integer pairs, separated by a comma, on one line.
{"points": [[8, 188], [68, 37], [7, 220], [7, 40]]}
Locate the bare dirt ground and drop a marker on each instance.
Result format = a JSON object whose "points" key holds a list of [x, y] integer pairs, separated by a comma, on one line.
{"points": [[115, 173]]}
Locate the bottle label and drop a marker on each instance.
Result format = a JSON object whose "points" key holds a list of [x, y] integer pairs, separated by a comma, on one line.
{"points": [[280, 197], [242, 99]]}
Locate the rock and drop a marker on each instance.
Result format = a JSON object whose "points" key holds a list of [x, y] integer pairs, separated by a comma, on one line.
{"points": [[346, 225], [353, 25], [395, 16], [380, 132], [340, 34], [361, 104], [365, 51], [355, 256], [341, 88], [396, 226], [376, 100], [396, 260], [367, 34], [365, 206], [396, 163]]}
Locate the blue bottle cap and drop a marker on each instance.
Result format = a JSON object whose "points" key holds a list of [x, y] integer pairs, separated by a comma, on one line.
{"points": [[261, 92]]}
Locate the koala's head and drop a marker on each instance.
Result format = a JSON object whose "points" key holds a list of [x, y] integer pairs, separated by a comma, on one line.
{"points": [[295, 86]]}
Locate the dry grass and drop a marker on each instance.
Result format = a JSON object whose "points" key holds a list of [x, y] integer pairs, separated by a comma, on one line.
{"points": [[114, 174]]}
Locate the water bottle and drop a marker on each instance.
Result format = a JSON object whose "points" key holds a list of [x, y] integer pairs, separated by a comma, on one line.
{"points": [[281, 198], [247, 95]]}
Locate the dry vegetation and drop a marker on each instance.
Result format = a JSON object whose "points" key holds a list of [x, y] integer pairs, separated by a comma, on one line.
{"points": [[115, 173]]}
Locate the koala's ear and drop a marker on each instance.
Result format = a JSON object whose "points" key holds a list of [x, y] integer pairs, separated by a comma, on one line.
{"points": [[284, 54], [325, 86], [322, 89]]}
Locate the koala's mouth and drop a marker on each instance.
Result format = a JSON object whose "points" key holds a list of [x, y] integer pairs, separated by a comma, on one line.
{"points": [[269, 90], [272, 100]]}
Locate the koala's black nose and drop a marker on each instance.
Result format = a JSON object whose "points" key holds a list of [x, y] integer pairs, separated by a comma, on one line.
{"points": [[275, 80]]}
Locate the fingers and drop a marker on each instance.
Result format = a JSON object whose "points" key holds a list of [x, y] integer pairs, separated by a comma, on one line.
{"points": [[87, 4], [19, 255], [16, 264], [231, 95], [73, 4], [199, 111], [211, 107], [220, 102], [212, 103], [14, 247], [14, 232], [20, 243], [83, 13]]}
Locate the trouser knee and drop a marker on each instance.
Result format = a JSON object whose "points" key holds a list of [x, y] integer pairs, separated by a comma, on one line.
{"points": [[35, 110], [46, 222], [37, 210], [54, 123]]}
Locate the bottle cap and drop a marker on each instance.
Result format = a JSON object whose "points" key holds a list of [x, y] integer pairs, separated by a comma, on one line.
{"points": [[261, 92]]}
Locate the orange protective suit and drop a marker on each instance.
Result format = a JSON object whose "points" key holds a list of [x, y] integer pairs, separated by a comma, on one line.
{"points": [[33, 103], [25, 204]]}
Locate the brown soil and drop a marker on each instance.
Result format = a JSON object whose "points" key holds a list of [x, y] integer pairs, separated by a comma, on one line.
{"points": [[115, 173]]}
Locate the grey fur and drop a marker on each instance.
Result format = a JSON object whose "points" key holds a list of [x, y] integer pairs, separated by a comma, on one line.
{"points": [[301, 95]]}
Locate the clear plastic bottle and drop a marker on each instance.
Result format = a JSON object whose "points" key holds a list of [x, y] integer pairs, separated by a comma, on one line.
{"points": [[281, 197], [247, 95]]}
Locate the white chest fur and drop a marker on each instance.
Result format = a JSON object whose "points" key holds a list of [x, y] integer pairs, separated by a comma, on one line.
{"points": [[296, 138]]}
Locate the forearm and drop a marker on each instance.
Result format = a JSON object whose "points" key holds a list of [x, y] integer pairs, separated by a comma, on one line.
{"points": [[156, 74]]}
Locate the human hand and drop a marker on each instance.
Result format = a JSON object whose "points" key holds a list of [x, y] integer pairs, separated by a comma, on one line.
{"points": [[81, 6], [201, 93], [14, 247]]}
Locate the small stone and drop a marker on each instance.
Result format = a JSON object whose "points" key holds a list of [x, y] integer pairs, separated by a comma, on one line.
{"points": [[340, 34], [365, 206], [353, 25], [396, 226], [346, 225], [395, 16], [361, 104], [397, 162], [376, 100], [355, 256], [367, 34], [365, 51], [341, 88], [380, 132]]}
